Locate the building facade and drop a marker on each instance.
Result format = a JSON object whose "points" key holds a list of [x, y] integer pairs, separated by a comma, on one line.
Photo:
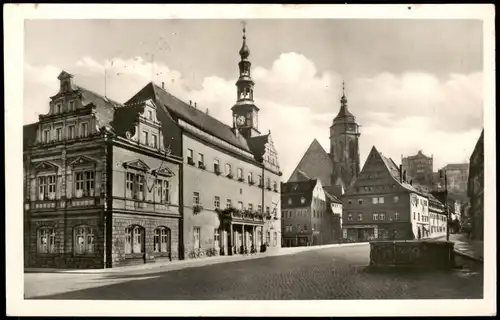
{"points": [[241, 214], [90, 198], [305, 214], [475, 189], [420, 168], [457, 177], [382, 204]]}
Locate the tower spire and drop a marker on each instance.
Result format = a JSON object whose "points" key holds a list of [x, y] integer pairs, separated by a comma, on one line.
{"points": [[343, 100]]}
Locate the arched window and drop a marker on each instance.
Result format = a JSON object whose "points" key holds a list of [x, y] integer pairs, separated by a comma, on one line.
{"points": [[46, 240], [341, 151], [84, 240], [134, 239], [162, 239]]}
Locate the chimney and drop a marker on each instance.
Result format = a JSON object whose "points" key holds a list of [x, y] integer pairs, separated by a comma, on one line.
{"points": [[190, 102], [207, 111], [195, 105], [163, 85]]}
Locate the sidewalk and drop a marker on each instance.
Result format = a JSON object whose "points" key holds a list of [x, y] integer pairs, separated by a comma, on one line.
{"points": [[473, 249], [181, 264]]}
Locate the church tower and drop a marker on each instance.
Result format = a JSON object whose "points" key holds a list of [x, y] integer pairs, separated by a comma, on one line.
{"points": [[245, 112], [344, 145]]}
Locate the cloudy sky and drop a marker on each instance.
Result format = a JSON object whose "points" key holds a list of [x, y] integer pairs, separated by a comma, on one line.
{"points": [[412, 84]]}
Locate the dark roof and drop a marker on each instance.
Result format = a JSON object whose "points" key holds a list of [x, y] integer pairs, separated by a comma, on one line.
{"points": [[29, 135], [333, 190], [303, 189], [394, 171], [419, 155], [331, 198], [258, 145], [179, 109], [105, 107], [126, 117]]}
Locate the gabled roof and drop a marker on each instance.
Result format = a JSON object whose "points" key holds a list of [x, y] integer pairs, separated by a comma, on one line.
{"points": [[314, 164], [181, 110], [29, 135], [105, 107], [258, 145], [334, 190]]}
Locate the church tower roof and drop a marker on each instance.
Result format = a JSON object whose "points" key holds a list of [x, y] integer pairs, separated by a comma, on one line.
{"points": [[244, 51], [344, 114]]}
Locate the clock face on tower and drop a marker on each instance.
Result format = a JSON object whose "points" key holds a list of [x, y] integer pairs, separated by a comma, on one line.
{"points": [[240, 120]]}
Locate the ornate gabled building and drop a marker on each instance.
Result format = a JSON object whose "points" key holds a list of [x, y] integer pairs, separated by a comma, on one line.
{"points": [[341, 166], [383, 204], [242, 212], [90, 198]]}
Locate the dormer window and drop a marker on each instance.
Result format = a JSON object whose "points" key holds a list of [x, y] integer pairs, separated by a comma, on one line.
{"points": [[71, 105], [71, 132], [150, 115], [302, 200], [145, 137], [58, 108]]}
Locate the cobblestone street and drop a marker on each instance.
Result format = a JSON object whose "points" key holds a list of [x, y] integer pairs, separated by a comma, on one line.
{"points": [[331, 273]]}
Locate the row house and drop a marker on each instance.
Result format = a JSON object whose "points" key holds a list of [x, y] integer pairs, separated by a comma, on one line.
{"points": [[383, 204], [230, 174], [91, 199], [306, 216], [475, 189]]}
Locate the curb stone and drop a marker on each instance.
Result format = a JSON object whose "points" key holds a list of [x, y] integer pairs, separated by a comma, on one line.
{"points": [[468, 256]]}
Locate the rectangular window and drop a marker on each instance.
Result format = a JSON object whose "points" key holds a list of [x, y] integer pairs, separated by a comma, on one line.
{"points": [[381, 200], [145, 138], [155, 140], [59, 134], [58, 108], [150, 115], [250, 177], [268, 183], [196, 234], [250, 207], [228, 169], [360, 217], [190, 159], [71, 132], [240, 173], [216, 166], [140, 187], [46, 136], [268, 238], [84, 240], [47, 187], [84, 184], [196, 198], [201, 160], [138, 240], [161, 239], [375, 216], [46, 240], [216, 238], [228, 203], [162, 191], [259, 208], [130, 185], [374, 200], [71, 105], [216, 202], [275, 239], [259, 178], [382, 216], [268, 210], [85, 130], [240, 205]]}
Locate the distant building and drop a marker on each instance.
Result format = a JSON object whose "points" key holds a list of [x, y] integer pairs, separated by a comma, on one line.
{"points": [[457, 175], [475, 189], [419, 169], [382, 204], [341, 166], [334, 206], [307, 213]]}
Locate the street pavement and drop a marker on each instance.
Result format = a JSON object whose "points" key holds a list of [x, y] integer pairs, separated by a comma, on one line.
{"points": [[464, 245], [328, 273]]}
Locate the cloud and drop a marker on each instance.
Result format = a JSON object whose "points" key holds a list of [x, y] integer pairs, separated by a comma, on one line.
{"points": [[399, 114]]}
